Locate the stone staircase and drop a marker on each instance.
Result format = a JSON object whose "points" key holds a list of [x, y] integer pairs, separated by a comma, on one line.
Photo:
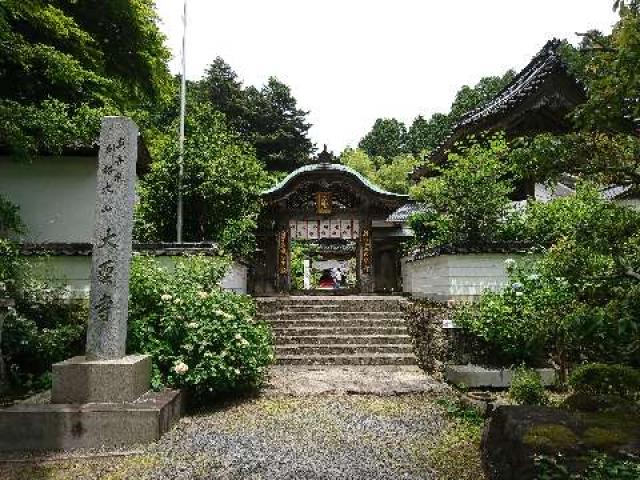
{"points": [[338, 330]]}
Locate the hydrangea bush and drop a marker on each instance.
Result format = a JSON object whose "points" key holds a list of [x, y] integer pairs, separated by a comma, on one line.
{"points": [[199, 337]]}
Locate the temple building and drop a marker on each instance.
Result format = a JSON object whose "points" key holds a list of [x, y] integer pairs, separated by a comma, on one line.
{"points": [[538, 100]]}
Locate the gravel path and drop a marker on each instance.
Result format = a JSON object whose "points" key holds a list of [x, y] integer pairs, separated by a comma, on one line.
{"points": [[278, 437]]}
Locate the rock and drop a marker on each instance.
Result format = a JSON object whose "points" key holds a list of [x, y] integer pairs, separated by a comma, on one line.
{"points": [[515, 434]]}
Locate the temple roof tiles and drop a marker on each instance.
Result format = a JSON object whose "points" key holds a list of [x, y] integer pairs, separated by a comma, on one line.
{"points": [[328, 168]]}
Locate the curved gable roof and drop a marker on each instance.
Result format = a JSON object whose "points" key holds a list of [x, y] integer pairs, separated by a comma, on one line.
{"points": [[330, 167]]}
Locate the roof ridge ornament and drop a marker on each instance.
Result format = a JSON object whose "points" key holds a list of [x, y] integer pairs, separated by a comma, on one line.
{"points": [[325, 156]]}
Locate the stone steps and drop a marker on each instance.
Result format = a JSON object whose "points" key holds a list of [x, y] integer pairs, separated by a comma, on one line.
{"points": [[352, 322], [378, 359], [341, 349], [305, 315], [348, 330], [348, 304], [342, 339]]}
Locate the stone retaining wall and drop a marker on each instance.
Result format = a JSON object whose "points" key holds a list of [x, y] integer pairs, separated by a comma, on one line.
{"points": [[436, 342]]}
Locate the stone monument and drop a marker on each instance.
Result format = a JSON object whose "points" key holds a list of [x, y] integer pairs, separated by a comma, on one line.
{"points": [[105, 374], [101, 398]]}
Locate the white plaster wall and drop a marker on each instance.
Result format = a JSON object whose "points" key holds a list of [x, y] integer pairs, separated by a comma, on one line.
{"points": [[633, 203], [75, 273], [56, 196], [455, 277]]}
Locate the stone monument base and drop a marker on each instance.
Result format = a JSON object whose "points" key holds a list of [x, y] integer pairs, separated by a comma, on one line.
{"points": [[78, 380], [49, 426]]}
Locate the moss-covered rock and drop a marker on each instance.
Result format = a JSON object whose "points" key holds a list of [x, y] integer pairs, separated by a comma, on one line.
{"points": [[515, 435], [550, 437]]}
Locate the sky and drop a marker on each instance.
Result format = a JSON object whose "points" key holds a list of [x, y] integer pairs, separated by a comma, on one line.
{"points": [[349, 62]]}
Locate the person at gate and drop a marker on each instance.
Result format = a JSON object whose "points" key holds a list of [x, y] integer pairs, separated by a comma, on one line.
{"points": [[337, 277], [326, 280]]}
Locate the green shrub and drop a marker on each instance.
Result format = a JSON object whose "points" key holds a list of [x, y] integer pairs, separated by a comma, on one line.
{"points": [[526, 387], [599, 466], [9, 267], [10, 220], [199, 336], [45, 327], [603, 379]]}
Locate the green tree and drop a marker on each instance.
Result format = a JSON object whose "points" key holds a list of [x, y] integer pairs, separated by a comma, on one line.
{"points": [[387, 138], [425, 135], [64, 64], [469, 98], [268, 118], [605, 144], [394, 176], [469, 199], [221, 186], [579, 300], [360, 162], [277, 127]]}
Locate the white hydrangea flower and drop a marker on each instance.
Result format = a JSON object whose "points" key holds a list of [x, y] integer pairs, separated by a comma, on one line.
{"points": [[181, 368], [519, 294], [192, 325], [237, 371], [166, 297], [203, 295], [509, 263], [238, 336]]}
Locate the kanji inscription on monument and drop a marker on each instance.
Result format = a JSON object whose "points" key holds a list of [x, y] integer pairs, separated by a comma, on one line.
{"points": [[111, 259]]}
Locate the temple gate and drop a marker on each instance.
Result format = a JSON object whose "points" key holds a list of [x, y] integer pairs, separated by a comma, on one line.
{"points": [[341, 215]]}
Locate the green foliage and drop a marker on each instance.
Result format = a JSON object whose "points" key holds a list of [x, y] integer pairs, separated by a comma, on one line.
{"points": [[455, 410], [470, 98], [10, 220], [605, 379], [299, 252], [425, 135], [599, 466], [387, 139], [199, 336], [470, 197], [221, 187], [9, 268], [360, 162], [612, 63], [64, 64], [604, 146], [526, 387], [45, 327], [578, 301], [392, 176], [268, 118]]}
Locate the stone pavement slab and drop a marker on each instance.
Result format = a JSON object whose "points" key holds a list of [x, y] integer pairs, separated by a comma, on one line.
{"points": [[374, 380]]}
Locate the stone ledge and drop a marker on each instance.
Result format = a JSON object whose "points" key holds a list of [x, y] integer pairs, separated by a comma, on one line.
{"points": [[474, 376], [36, 426]]}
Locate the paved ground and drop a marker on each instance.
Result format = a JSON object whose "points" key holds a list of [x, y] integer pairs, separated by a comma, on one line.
{"points": [[377, 380], [278, 436]]}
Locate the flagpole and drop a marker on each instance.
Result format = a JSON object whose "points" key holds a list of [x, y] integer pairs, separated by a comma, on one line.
{"points": [[183, 103]]}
